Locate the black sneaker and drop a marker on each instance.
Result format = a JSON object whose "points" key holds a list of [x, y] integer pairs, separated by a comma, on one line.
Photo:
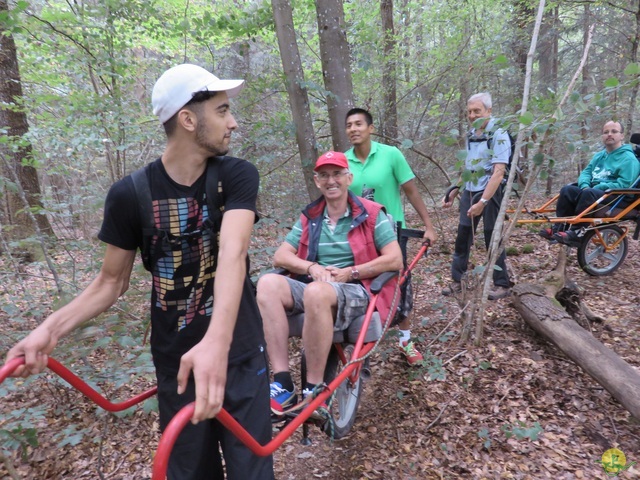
{"points": [[570, 238], [547, 233]]}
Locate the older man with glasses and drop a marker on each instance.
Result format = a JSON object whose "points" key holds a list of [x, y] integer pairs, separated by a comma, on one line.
{"points": [[614, 167], [339, 244]]}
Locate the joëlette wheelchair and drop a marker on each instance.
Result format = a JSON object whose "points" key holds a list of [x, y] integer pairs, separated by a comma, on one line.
{"points": [[343, 376], [604, 225], [604, 228], [349, 353]]}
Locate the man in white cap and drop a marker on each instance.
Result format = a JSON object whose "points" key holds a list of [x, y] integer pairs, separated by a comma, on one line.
{"points": [[207, 341]]}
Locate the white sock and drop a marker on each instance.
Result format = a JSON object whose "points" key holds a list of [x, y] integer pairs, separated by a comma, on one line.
{"points": [[405, 336]]}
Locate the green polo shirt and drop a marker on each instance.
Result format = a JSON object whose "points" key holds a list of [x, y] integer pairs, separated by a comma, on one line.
{"points": [[334, 248], [385, 170]]}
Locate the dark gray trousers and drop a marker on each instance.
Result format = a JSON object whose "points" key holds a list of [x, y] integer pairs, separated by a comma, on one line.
{"points": [[466, 232]]}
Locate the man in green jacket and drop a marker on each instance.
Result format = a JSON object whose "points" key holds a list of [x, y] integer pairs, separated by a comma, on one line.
{"points": [[614, 167]]}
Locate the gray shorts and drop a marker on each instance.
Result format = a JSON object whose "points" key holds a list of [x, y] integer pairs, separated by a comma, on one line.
{"points": [[353, 300]]}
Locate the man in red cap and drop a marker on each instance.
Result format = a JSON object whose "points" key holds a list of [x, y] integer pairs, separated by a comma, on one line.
{"points": [[339, 244]]}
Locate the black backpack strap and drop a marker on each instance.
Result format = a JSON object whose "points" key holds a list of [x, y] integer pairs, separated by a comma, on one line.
{"points": [[213, 191], [215, 204], [140, 180]]}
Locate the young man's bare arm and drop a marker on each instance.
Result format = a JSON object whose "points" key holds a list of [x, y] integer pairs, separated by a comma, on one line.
{"points": [[102, 292], [209, 358]]}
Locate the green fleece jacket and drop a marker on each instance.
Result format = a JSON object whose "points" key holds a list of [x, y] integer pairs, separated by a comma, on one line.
{"points": [[618, 169]]}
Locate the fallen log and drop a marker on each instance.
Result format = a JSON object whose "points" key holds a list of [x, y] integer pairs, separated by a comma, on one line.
{"points": [[546, 316]]}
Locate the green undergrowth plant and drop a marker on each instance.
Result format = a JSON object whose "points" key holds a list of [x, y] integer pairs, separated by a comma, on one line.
{"points": [[512, 251], [527, 248], [110, 352], [521, 431]]}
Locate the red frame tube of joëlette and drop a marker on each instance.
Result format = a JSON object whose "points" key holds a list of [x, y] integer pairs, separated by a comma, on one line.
{"points": [[179, 421]]}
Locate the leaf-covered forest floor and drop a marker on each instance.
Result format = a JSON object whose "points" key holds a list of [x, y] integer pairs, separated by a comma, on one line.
{"points": [[478, 419]]}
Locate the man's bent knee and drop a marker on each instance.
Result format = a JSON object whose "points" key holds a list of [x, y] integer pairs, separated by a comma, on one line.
{"points": [[319, 294], [272, 287]]}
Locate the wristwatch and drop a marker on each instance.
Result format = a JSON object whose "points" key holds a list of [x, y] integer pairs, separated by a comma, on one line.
{"points": [[355, 274], [484, 201]]}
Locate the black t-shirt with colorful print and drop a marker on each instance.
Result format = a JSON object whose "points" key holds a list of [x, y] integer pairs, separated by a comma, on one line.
{"points": [[182, 294]]}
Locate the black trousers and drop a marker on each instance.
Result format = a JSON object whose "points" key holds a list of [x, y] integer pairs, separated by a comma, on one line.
{"points": [[196, 453], [574, 200]]}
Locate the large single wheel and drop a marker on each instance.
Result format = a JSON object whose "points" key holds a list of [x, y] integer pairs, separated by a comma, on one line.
{"points": [[603, 250], [346, 398]]}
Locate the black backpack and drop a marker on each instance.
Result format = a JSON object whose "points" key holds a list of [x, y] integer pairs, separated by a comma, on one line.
{"points": [[151, 252]]}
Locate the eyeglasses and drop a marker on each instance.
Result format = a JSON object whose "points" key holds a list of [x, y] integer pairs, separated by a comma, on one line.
{"points": [[607, 132], [324, 176]]}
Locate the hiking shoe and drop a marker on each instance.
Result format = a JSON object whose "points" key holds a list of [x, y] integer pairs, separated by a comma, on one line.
{"points": [[284, 398], [570, 238], [547, 233], [498, 293], [453, 289], [321, 413], [413, 356]]}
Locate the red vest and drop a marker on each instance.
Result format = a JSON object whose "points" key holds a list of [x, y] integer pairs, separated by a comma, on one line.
{"points": [[364, 214]]}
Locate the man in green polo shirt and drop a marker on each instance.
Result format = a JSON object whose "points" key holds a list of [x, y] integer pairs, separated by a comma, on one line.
{"points": [[379, 172]]}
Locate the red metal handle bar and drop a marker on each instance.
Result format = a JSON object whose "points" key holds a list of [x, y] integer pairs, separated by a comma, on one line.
{"points": [[421, 252], [75, 381], [180, 420]]}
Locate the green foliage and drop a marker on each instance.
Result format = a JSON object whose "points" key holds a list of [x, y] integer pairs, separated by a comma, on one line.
{"points": [[527, 248], [485, 365], [512, 251], [526, 118], [483, 434], [18, 429], [521, 431]]}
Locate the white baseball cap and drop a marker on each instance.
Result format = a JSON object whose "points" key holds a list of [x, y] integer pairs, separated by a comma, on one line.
{"points": [[175, 88]]}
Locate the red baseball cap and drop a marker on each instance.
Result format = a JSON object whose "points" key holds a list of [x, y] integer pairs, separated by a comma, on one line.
{"points": [[332, 158]]}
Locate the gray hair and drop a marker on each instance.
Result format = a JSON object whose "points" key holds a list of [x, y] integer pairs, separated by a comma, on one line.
{"points": [[484, 97]]}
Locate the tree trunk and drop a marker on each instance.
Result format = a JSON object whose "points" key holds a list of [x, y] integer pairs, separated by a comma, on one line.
{"points": [[298, 97], [524, 13], [390, 115], [634, 59], [548, 52], [541, 311], [584, 90], [15, 165], [548, 74], [336, 70]]}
